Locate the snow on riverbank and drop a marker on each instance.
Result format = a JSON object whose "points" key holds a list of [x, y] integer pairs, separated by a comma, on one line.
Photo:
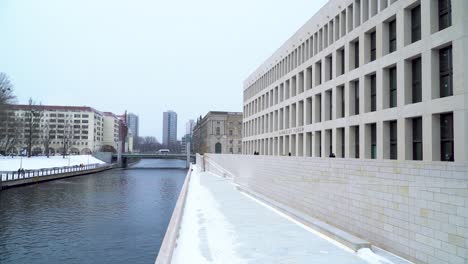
{"points": [[13, 164]]}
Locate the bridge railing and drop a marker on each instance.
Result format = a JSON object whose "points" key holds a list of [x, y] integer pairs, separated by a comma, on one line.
{"points": [[24, 174]]}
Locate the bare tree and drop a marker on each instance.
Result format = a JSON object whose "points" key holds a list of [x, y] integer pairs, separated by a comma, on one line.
{"points": [[9, 124], [148, 144], [67, 137], [6, 92], [33, 117], [10, 131], [46, 138]]}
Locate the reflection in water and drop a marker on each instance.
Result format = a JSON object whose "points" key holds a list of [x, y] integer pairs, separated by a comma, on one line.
{"points": [[117, 216]]}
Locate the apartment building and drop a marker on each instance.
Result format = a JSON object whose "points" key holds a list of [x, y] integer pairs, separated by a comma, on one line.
{"points": [[77, 129], [365, 79]]}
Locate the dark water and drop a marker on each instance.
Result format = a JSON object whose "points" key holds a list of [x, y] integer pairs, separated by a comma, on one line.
{"points": [[117, 216]]}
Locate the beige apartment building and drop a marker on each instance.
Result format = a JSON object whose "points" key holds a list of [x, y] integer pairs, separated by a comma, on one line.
{"points": [[218, 132], [81, 130], [366, 79]]}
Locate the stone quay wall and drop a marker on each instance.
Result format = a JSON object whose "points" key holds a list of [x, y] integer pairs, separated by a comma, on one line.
{"points": [[415, 209]]}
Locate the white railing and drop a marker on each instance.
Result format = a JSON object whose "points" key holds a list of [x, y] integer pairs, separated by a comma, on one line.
{"points": [[25, 174]]}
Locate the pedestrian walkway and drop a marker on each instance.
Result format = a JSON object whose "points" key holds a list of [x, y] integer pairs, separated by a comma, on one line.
{"points": [[223, 225]]}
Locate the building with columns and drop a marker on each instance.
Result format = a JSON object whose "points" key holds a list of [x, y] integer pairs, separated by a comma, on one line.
{"points": [[366, 79], [218, 132]]}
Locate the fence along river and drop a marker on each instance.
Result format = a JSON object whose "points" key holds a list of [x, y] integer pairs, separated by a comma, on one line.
{"points": [[115, 216]]}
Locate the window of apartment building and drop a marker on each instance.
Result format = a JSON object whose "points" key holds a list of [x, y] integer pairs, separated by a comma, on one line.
{"points": [[392, 78], [230, 132], [85, 116], [392, 126], [77, 115], [446, 71], [84, 121], [218, 131], [446, 137], [416, 24], [373, 141], [417, 144], [445, 14], [392, 36], [416, 81], [373, 46]]}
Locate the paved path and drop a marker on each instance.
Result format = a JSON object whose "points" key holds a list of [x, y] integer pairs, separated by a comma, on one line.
{"points": [[222, 225]]}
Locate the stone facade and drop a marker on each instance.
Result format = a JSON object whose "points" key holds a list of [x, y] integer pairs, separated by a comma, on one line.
{"points": [[415, 209], [366, 79], [218, 132]]}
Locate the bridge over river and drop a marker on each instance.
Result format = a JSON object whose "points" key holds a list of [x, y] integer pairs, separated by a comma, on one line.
{"points": [[126, 156]]}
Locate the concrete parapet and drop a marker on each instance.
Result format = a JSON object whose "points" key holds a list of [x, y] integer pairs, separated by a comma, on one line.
{"points": [[172, 233]]}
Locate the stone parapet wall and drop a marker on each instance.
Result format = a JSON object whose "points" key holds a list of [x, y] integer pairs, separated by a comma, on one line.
{"points": [[418, 210]]}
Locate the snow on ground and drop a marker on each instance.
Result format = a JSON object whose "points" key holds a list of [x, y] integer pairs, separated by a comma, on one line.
{"points": [[214, 241], [223, 225], [13, 164]]}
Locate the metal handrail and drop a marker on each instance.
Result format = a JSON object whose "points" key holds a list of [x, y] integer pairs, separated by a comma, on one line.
{"points": [[18, 175]]}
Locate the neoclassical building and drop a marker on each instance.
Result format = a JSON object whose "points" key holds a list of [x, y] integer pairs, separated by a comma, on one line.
{"points": [[366, 79], [218, 132]]}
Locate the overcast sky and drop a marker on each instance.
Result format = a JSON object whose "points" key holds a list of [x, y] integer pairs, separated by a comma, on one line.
{"points": [[144, 56]]}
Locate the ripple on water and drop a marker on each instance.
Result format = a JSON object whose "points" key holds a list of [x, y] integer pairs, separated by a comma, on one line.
{"points": [[117, 216]]}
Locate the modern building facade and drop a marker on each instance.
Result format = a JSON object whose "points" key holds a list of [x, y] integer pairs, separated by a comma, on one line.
{"points": [[133, 123], [366, 79], [169, 129], [218, 132]]}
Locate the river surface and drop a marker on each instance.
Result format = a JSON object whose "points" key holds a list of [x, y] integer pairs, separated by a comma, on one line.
{"points": [[116, 216]]}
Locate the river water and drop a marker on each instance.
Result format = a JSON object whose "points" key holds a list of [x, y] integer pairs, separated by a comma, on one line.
{"points": [[116, 216]]}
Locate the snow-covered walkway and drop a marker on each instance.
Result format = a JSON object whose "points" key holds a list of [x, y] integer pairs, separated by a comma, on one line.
{"points": [[223, 225], [32, 163]]}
